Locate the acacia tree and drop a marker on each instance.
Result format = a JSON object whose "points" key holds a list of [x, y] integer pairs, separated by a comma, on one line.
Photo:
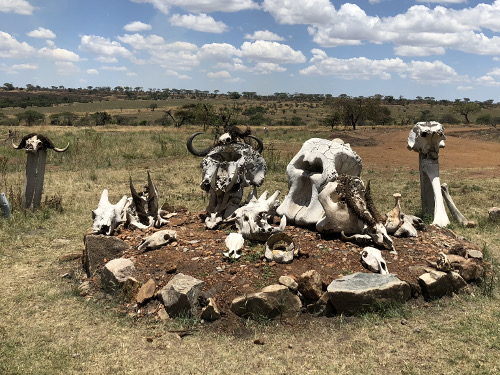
{"points": [[466, 108], [30, 117], [351, 111]]}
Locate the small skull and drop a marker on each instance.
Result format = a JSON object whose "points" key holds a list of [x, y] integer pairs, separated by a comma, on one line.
{"points": [[372, 259], [225, 139], [234, 243]]}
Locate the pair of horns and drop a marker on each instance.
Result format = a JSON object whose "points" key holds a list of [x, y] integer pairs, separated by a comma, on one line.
{"points": [[204, 152]]}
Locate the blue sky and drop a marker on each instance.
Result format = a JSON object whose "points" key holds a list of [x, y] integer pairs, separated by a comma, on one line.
{"points": [[445, 49]]}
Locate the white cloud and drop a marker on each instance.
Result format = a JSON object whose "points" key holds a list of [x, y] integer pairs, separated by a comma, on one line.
{"points": [[218, 51], [107, 60], [175, 74], [363, 68], [137, 26], [202, 6], [442, 1], [138, 41], [268, 68], [264, 35], [16, 6], [103, 47], [24, 66], [223, 74], [42, 33], [11, 48], [488, 81], [131, 74], [92, 71], [59, 54], [300, 12], [494, 72], [199, 22], [114, 68], [264, 51]]}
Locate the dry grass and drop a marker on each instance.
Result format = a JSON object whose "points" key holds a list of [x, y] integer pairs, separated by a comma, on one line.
{"points": [[46, 328]]}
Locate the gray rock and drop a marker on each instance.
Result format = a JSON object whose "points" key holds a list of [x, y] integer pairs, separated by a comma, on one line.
{"points": [[270, 302], [310, 285], [180, 295], [116, 272], [99, 249], [476, 254], [361, 291], [210, 312], [471, 270], [289, 282], [437, 284]]}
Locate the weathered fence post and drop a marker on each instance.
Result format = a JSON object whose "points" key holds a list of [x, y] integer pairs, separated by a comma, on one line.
{"points": [[4, 206], [36, 146]]}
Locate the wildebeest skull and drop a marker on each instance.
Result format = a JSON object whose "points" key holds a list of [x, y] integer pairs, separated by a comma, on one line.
{"points": [[34, 142], [107, 217]]}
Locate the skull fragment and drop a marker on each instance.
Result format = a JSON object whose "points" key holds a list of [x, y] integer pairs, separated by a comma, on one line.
{"points": [[371, 258], [107, 217]]}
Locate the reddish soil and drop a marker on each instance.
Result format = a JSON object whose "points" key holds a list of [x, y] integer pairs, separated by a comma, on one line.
{"points": [[198, 252]]}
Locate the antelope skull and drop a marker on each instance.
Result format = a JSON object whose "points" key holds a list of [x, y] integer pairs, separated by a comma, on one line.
{"points": [[372, 259]]}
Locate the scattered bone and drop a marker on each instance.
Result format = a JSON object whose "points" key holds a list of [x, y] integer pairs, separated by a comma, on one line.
{"points": [[280, 248], [394, 217], [234, 243], [451, 206], [108, 216], [157, 239], [371, 258]]}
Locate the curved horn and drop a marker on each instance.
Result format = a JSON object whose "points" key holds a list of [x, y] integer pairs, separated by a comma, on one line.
{"points": [[260, 144], [18, 147], [195, 152], [61, 149]]}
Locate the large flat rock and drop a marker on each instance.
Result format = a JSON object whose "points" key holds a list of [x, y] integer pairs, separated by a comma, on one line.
{"points": [[362, 291], [100, 249]]}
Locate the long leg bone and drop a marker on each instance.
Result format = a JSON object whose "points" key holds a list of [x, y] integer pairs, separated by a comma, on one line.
{"points": [[451, 205], [430, 167]]}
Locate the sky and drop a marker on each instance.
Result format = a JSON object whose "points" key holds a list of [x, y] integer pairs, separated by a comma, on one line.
{"points": [[446, 49]]}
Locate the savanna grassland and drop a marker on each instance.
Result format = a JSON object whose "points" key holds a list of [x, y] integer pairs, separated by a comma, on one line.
{"points": [[47, 328]]}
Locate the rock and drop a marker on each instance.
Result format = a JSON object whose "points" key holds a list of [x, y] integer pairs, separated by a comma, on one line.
{"points": [[476, 254], [146, 292], [494, 213], [162, 314], [289, 282], [360, 291], [323, 306], [98, 249], [458, 249], [210, 312], [437, 284], [471, 224], [130, 288], [116, 272], [471, 270], [270, 302], [69, 257], [180, 295], [84, 288], [310, 285]]}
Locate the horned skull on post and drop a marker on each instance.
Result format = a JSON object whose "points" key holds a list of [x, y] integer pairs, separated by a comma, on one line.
{"points": [[33, 142]]}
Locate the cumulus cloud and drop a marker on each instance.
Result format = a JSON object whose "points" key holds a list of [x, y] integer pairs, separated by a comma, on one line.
{"points": [[218, 52], [137, 41], [92, 71], [25, 66], [274, 52], [202, 6], [443, 1], [103, 47], [300, 12], [59, 54], [264, 35], [42, 33], [418, 51], [363, 68], [11, 48], [114, 68], [137, 26], [16, 6], [268, 68], [223, 74], [66, 68], [199, 22]]}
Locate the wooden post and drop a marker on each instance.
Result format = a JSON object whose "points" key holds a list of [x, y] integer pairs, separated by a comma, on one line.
{"points": [[35, 173]]}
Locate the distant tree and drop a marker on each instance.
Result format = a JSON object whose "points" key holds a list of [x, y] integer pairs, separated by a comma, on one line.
{"points": [[30, 117], [153, 106], [234, 94], [351, 111], [8, 86], [466, 108], [101, 118], [64, 118]]}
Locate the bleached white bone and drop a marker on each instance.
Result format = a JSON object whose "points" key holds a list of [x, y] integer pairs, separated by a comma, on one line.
{"points": [[157, 239], [108, 216], [372, 259], [280, 255], [234, 243], [431, 168], [451, 205]]}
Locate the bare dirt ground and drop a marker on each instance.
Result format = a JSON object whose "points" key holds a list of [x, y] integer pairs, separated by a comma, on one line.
{"points": [[198, 252]]}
